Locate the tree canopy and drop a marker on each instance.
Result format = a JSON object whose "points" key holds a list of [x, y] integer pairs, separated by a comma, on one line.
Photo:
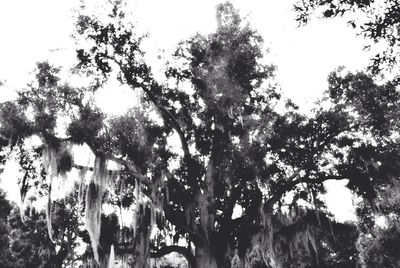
{"points": [[214, 138]]}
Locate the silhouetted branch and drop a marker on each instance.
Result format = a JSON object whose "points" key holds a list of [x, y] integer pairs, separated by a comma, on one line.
{"points": [[125, 162], [178, 219], [158, 253], [165, 113], [291, 184]]}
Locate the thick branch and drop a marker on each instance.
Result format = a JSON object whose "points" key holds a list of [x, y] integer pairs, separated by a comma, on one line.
{"points": [[49, 137], [128, 164], [178, 219], [131, 167], [158, 253], [165, 113], [226, 222], [292, 183], [175, 125], [288, 186]]}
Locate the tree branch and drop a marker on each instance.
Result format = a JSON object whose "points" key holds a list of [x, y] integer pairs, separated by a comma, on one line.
{"points": [[175, 125], [165, 113], [128, 164], [158, 253], [284, 188], [226, 221], [291, 184], [292, 181], [131, 167], [178, 219]]}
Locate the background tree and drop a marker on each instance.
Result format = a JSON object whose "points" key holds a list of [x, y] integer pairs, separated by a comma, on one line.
{"points": [[26, 244], [5, 255], [378, 106], [374, 168]]}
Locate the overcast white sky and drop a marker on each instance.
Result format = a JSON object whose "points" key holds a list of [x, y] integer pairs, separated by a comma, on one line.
{"points": [[37, 30], [32, 31]]}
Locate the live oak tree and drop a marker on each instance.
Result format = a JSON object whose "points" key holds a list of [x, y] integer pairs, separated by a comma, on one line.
{"points": [[226, 127], [241, 147], [236, 150]]}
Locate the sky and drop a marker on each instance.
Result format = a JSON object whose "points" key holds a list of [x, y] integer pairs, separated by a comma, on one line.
{"points": [[39, 30]]}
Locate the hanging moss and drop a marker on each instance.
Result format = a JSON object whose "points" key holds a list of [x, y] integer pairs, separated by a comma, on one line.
{"points": [[82, 184], [235, 262], [111, 259], [203, 210], [94, 194], [48, 211], [49, 156], [100, 173], [57, 162], [64, 161], [283, 238], [142, 237], [93, 216], [136, 206]]}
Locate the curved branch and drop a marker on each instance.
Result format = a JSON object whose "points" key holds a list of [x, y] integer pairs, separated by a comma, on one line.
{"points": [[175, 125], [165, 113], [291, 184], [286, 187], [131, 167], [226, 221], [128, 164], [178, 219], [292, 181], [158, 253]]}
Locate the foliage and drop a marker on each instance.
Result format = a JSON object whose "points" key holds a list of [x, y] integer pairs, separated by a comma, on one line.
{"points": [[5, 208], [27, 244], [379, 230]]}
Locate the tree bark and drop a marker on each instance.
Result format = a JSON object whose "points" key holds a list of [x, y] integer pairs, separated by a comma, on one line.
{"points": [[205, 258]]}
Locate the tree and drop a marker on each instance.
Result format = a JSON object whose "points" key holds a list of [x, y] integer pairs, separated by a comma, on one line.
{"points": [[222, 127], [376, 108], [379, 231], [26, 244], [30, 244], [241, 146], [377, 244], [379, 22], [227, 129], [5, 208]]}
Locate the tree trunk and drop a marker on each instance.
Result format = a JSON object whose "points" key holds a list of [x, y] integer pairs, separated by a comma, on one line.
{"points": [[205, 258]]}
